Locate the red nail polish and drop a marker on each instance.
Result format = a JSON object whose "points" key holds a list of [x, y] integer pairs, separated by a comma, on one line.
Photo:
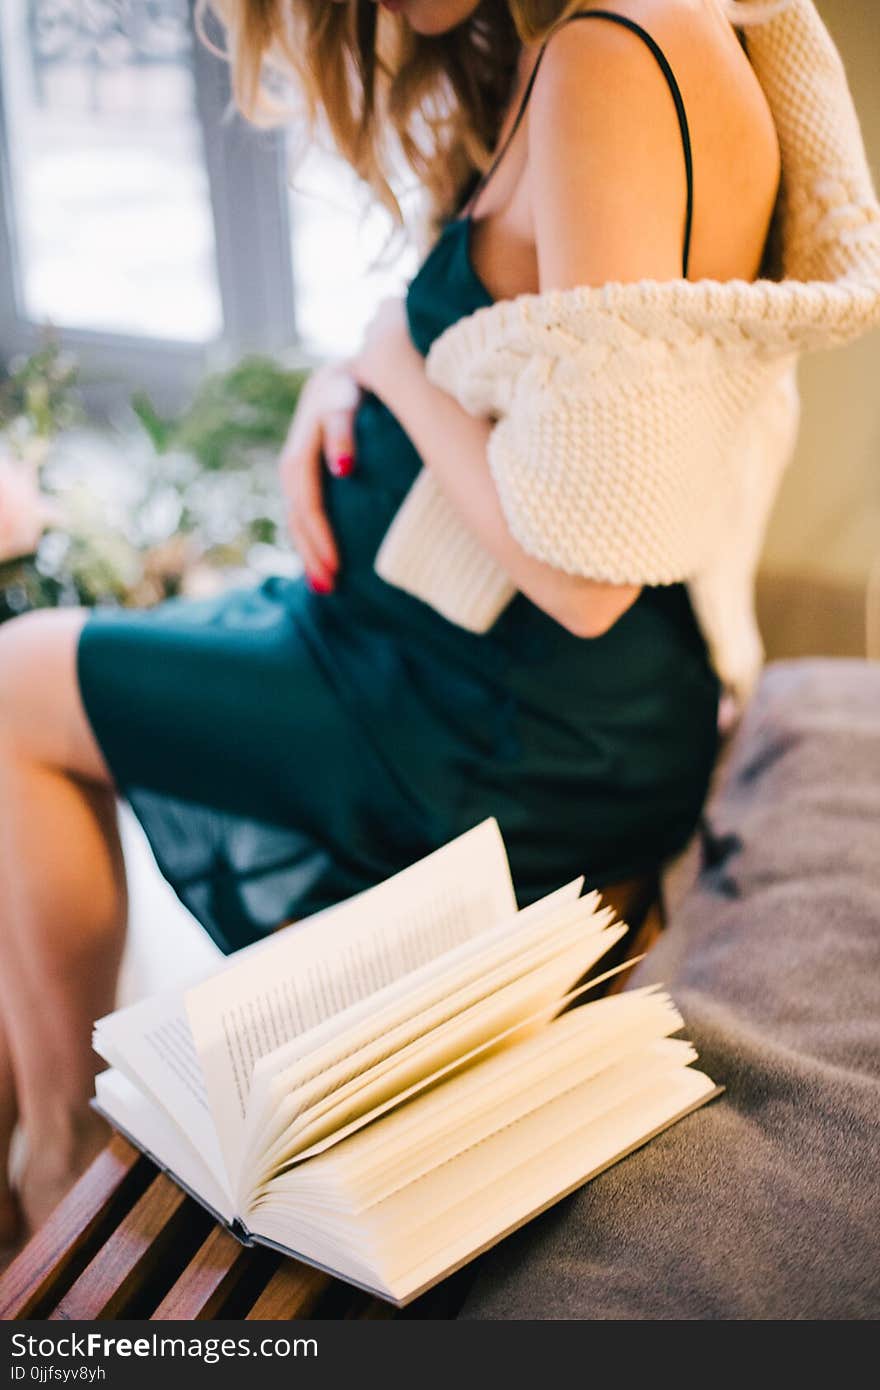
{"points": [[318, 585], [343, 465]]}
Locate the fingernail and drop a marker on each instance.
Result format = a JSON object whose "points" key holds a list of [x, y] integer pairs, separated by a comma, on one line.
{"points": [[319, 585], [342, 465]]}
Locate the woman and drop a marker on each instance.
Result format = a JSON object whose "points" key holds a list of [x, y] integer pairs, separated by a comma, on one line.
{"points": [[289, 746]]}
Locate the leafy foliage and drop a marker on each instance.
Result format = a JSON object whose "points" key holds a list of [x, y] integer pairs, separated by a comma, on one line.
{"points": [[248, 407], [185, 506]]}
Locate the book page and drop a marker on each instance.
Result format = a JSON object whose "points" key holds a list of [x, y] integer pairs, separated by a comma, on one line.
{"points": [[151, 1043], [333, 1102], [431, 1226], [346, 1045], [548, 1154], [526, 1071], [318, 968], [147, 1125], [381, 1160]]}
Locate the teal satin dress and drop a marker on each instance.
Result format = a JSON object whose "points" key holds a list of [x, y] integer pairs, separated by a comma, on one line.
{"points": [[285, 749]]}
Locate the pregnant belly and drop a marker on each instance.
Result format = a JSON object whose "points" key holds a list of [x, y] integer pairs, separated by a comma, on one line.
{"points": [[360, 508]]}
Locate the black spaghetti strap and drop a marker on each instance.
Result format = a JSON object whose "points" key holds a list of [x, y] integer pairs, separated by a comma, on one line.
{"points": [[676, 97], [499, 153]]}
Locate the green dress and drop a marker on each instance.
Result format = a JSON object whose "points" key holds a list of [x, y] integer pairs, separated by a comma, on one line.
{"points": [[285, 749]]}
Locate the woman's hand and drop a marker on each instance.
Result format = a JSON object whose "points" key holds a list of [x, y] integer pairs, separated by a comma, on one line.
{"points": [[385, 359], [322, 428]]}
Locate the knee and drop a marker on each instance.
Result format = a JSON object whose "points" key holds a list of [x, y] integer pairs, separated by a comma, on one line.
{"points": [[16, 640], [37, 663]]}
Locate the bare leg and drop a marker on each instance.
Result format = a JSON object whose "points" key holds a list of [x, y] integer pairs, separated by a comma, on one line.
{"points": [[62, 915]]}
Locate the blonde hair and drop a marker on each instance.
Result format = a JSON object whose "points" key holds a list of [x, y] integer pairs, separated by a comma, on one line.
{"points": [[376, 83]]}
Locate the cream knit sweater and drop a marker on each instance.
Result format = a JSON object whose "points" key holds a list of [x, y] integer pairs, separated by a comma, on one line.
{"points": [[642, 428]]}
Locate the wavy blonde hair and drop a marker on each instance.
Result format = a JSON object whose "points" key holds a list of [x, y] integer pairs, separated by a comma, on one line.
{"points": [[375, 83]]}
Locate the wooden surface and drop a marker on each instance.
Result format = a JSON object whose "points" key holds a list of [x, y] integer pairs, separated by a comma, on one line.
{"points": [[211, 1277], [127, 1242], [77, 1228]]}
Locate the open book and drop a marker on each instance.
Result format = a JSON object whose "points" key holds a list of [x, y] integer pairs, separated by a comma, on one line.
{"points": [[387, 1088]]}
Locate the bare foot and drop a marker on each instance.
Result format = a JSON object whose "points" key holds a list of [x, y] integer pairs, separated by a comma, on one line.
{"points": [[50, 1170]]}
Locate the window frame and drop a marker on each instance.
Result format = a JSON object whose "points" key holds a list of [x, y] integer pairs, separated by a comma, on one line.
{"points": [[247, 180]]}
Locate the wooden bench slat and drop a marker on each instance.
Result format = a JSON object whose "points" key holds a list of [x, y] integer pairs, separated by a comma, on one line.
{"points": [[376, 1310], [42, 1270], [210, 1277], [131, 1254], [292, 1292]]}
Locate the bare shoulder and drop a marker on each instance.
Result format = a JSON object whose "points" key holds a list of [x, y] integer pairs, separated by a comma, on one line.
{"points": [[698, 41], [601, 112]]}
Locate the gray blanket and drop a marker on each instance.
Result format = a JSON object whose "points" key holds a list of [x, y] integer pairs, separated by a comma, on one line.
{"points": [[765, 1204]]}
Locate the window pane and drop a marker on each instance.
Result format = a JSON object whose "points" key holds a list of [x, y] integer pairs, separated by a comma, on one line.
{"points": [[110, 193], [334, 243]]}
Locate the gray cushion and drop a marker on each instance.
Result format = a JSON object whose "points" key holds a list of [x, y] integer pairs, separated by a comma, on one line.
{"points": [[764, 1204]]}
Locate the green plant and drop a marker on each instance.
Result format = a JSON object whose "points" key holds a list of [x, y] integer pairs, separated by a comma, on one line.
{"points": [[38, 397], [246, 408], [190, 504]]}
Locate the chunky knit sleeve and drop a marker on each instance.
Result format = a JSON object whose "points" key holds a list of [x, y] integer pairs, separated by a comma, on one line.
{"points": [[616, 470], [618, 447], [640, 431], [429, 553], [623, 446]]}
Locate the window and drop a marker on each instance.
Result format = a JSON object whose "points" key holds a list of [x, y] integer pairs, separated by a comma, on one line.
{"points": [[110, 202], [148, 223], [337, 237]]}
